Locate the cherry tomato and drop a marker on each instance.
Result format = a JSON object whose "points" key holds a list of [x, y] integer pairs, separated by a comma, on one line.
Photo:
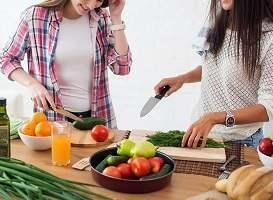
{"points": [[125, 170], [112, 171], [140, 166], [156, 163], [100, 133]]}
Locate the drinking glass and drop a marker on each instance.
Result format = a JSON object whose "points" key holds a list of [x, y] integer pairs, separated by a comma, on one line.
{"points": [[61, 145]]}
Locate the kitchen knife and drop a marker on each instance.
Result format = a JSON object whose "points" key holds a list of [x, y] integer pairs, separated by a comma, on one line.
{"points": [[64, 113], [150, 104]]}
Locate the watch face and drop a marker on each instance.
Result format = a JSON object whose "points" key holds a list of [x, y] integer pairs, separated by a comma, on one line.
{"points": [[230, 121]]}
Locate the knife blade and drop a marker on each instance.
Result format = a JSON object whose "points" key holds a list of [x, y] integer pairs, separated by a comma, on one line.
{"points": [[64, 113], [151, 103], [68, 114]]}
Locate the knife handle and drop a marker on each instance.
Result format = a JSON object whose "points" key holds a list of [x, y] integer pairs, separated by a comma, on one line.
{"points": [[162, 91]]}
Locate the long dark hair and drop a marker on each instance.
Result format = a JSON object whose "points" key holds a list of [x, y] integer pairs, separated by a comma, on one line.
{"points": [[245, 18]]}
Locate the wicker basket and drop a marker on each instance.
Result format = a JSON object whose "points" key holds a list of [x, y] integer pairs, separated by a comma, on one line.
{"points": [[211, 168]]}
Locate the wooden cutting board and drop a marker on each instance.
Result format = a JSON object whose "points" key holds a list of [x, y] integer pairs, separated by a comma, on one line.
{"points": [[80, 138], [204, 154]]}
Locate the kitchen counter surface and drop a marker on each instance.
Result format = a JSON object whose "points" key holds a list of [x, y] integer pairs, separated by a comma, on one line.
{"points": [[181, 187]]}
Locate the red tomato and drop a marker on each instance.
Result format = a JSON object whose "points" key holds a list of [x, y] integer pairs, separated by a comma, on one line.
{"points": [[140, 166], [156, 163], [100, 133], [112, 171], [125, 170]]}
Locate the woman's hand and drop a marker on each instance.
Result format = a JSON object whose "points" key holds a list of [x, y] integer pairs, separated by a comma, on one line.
{"points": [[174, 82], [40, 96], [199, 130], [116, 8]]}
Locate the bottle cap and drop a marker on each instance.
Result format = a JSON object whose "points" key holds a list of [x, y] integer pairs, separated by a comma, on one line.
{"points": [[3, 101]]}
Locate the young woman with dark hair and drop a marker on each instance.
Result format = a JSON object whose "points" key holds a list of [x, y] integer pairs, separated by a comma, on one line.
{"points": [[236, 74], [69, 45]]}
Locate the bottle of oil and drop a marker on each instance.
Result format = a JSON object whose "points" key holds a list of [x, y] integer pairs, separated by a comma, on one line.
{"points": [[4, 129]]}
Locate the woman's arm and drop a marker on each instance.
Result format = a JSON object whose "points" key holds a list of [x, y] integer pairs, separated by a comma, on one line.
{"points": [[178, 81], [13, 54], [202, 127], [119, 57], [116, 7], [38, 92], [121, 44]]}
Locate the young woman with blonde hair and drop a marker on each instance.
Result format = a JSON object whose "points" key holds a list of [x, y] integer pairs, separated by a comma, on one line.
{"points": [[69, 45]]}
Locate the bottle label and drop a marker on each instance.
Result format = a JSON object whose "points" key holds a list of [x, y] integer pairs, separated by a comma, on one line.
{"points": [[4, 141]]}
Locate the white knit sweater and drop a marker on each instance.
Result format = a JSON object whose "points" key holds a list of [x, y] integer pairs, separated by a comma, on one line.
{"points": [[225, 86]]}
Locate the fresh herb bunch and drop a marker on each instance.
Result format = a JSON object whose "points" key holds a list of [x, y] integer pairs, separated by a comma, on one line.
{"points": [[24, 181], [173, 138]]}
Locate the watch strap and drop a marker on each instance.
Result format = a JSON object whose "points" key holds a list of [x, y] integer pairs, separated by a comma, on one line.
{"points": [[118, 27]]}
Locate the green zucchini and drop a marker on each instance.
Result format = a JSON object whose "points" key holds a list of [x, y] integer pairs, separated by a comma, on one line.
{"points": [[115, 160], [163, 171], [101, 166], [89, 123]]}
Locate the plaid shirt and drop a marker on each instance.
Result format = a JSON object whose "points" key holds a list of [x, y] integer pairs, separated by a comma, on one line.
{"points": [[37, 36]]}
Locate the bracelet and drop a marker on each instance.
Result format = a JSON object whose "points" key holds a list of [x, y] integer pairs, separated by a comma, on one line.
{"points": [[118, 27]]}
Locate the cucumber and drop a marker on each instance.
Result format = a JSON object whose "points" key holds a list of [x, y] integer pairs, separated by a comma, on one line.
{"points": [[163, 171], [89, 123], [101, 166], [115, 160]]}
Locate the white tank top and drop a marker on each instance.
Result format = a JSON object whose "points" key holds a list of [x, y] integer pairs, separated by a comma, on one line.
{"points": [[75, 59]]}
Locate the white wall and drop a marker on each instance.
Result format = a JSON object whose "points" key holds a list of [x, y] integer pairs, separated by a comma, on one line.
{"points": [[160, 34]]}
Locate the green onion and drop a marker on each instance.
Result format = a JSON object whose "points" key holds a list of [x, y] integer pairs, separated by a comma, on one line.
{"points": [[25, 181]]}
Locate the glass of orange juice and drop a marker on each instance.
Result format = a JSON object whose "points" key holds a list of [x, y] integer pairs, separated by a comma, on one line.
{"points": [[61, 145]]}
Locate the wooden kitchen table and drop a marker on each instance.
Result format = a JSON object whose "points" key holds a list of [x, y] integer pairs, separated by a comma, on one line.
{"points": [[181, 187]]}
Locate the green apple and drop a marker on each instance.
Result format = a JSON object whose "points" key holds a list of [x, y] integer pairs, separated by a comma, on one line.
{"points": [[144, 149], [125, 147]]}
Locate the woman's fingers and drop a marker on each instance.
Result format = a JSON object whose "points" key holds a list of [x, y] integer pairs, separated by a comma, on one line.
{"points": [[196, 141], [186, 137], [44, 103], [192, 138], [38, 102], [50, 102], [170, 91], [161, 84]]}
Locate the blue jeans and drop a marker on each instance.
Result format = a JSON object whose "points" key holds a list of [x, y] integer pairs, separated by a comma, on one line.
{"points": [[253, 140]]}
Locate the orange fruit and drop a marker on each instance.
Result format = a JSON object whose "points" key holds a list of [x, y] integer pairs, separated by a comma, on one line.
{"points": [[28, 129], [43, 129], [38, 117]]}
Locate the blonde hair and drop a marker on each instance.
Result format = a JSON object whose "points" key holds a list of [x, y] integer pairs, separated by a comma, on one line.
{"points": [[53, 3]]}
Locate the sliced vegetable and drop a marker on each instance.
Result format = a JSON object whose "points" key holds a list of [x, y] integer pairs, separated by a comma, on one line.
{"points": [[163, 171]]}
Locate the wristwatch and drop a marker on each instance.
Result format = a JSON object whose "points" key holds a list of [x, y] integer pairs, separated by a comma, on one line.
{"points": [[230, 119]]}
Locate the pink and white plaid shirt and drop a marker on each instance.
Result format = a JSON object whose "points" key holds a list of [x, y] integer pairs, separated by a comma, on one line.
{"points": [[37, 36]]}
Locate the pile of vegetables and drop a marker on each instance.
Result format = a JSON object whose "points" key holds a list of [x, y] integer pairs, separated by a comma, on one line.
{"points": [[24, 181], [136, 161], [173, 139]]}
